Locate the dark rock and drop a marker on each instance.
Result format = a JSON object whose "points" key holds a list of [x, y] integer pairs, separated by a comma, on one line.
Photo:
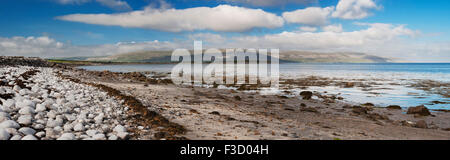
{"points": [[306, 95], [215, 113], [419, 110], [376, 116], [359, 110], [237, 98], [394, 107], [309, 109], [421, 124]]}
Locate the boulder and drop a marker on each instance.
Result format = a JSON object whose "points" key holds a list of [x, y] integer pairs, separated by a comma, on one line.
{"points": [[421, 124], [359, 110], [419, 110], [307, 95], [394, 107]]}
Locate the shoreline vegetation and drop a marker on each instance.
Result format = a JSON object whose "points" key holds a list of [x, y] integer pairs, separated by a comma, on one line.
{"points": [[53, 99]]}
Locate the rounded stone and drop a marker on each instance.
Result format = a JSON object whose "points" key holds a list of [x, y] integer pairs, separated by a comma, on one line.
{"points": [[9, 124], [27, 131], [29, 137], [4, 135]]}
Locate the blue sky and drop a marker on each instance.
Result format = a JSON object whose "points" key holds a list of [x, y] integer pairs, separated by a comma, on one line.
{"points": [[73, 24]]}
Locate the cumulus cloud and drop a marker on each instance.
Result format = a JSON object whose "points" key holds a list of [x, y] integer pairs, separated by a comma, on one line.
{"points": [[333, 28], [113, 4], [267, 3], [308, 29], [310, 16], [221, 18], [48, 47], [354, 9], [375, 34], [386, 40]]}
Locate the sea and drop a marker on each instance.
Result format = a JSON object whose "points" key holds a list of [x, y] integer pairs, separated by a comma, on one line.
{"points": [[393, 81]]}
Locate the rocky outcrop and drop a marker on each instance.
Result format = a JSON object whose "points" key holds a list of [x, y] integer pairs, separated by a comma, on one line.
{"points": [[419, 110], [23, 61]]}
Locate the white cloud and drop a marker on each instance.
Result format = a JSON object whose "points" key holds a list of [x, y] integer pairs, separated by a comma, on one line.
{"points": [[72, 1], [48, 47], [354, 9], [266, 3], [310, 16], [113, 4], [221, 18], [333, 28], [374, 35], [308, 29]]}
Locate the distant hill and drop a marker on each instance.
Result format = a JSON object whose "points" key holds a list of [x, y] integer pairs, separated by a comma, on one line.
{"points": [[286, 57], [338, 57]]}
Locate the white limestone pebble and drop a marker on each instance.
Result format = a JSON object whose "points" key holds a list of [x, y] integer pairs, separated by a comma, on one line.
{"points": [[27, 131], [99, 137], [26, 111], [40, 108], [67, 136], [25, 119], [25, 103], [122, 135], [40, 134], [91, 132], [9, 124], [16, 138], [29, 137], [4, 135], [4, 116], [54, 122], [78, 127], [120, 128], [113, 137], [8, 105]]}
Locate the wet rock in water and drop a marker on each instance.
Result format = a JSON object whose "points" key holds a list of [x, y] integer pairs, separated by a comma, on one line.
{"points": [[394, 107], [419, 110], [349, 85], [359, 110], [421, 124], [307, 95], [369, 104]]}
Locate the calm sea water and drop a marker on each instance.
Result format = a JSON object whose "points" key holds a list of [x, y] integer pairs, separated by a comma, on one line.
{"points": [[384, 74]]}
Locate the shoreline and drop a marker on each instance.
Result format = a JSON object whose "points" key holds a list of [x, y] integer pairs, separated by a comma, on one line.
{"points": [[211, 113]]}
